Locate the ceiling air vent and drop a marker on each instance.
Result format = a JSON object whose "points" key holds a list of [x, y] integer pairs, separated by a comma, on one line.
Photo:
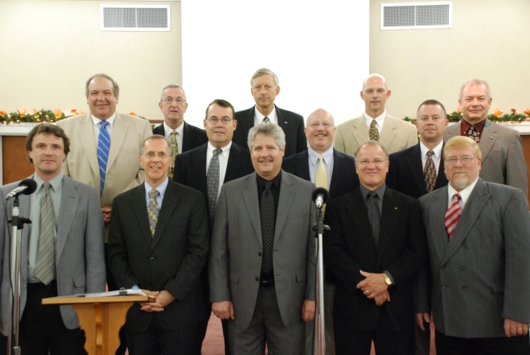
{"points": [[135, 18], [416, 15]]}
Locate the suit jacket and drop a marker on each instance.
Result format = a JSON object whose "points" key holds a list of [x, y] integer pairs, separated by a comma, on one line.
{"points": [[235, 261], [79, 254], [123, 169], [193, 137], [170, 260], [502, 155], [479, 275], [350, 247], [291, 123], [343, 180], [405, 173], [396, 135]]}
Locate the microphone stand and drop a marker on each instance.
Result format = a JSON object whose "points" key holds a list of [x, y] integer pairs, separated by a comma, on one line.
{"points": [[319, 345], [17, 223]]}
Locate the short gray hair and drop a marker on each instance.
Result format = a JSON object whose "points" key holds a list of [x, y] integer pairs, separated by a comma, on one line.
{"points": [[265, 71], [115, 86], [176, 86], [475, 82], [376, 143], [269, 129], [156, 137]]}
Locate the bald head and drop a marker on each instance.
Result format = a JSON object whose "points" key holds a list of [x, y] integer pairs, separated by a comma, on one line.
{"points": [[320, 130], [374, 94]]}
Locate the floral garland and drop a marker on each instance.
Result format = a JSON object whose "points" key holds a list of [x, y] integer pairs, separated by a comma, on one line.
{"points": [[496, 116], [23, 115]]}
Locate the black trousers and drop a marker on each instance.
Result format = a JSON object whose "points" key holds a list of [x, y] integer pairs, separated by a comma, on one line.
{"points": [[446, 345]]}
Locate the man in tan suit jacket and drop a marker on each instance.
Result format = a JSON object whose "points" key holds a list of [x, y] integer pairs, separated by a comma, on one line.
{"points": [[394, 134]]}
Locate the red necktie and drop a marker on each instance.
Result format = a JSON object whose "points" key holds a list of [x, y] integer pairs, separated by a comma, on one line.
{"points": [[452, 215]]}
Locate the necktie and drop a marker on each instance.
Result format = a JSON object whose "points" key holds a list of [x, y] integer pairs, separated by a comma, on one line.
{"points": [[473, 134], [45, 263], [452, 215], [373, 132], [429, 172], [268, 220], [174, 152], [266, 120], [212, 182], [372, 203], [152, 210], [103, 153], [321, 179]]}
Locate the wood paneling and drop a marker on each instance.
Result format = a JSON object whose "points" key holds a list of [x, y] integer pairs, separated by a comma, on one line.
{"points": [[15, 163]]}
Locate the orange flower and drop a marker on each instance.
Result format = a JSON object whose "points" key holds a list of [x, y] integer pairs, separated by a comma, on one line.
{"points": [[2, 113], [514, 111], [82, 112], [459, 110], [74, 111], [132, 113], [527, 111], [22, 112], [58, 113], [497, 113]]}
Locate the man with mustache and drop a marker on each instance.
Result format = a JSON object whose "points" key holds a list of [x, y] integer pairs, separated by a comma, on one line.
{"points": [[264, 87], [502, 150], [478, 234], [375, 124]]}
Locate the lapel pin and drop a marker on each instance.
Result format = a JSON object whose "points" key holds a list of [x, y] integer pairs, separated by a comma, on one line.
{"points": [[285, 122], [395, 208], [491, 137]]}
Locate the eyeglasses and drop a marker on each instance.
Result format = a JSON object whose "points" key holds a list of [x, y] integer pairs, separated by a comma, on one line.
{"points": [[151, 155], [214, 121], [465, 160], [367, 162], [178, 100]]}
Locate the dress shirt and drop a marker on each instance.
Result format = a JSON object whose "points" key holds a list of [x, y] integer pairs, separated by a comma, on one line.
{"points": [[180, 134], [379, 120], [223, 161], [314, 163], [479, 127], [464, 194], [258, 116], [97, 125], [161, 191], [436, 157], [56, 191]]}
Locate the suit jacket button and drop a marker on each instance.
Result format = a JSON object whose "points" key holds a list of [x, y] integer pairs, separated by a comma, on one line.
{"points": [[259, 254], [152, 258], [257, 278], [463, 267]]}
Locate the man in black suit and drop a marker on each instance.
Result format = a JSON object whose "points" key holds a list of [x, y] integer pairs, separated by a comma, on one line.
{"points": [[264, 88], [159, 240], [419, 170], [340, 179], [375, 248], [182, 136], [192, 169]]}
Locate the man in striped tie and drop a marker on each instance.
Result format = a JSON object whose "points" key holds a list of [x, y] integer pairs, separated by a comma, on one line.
{"points": [[478, 235]]}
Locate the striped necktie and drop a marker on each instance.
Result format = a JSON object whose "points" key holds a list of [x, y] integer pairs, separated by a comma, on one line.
{"points": [[266, 120], [452, 215], [45, 262], [103, 153], [268, 223]]}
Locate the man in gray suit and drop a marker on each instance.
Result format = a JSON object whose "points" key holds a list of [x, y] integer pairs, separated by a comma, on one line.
{"points": [[478, 234], [262, 263], [61, 251], [502, 150]]}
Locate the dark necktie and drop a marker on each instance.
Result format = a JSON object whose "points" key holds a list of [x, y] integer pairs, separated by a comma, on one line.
{"points": [[429, 172], [212, 182], [373, 132], [452, 215], [266, 120], [103, 153], [473, 134], [152, 210], [268, 220], [372, 203], [45, 263]]}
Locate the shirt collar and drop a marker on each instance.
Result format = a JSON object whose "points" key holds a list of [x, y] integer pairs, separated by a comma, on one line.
{"points": [[55, 182], [380, 191], [168, 130], [258, 116], [464, 194], [160, 188], [437, 150], [225, 149], [110, 120], [379, 119], [313, 156], [275, 181]]}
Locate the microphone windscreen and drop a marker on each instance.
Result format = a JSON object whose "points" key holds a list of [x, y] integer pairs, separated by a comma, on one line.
{"points": [[31, 186], [320, 191]]}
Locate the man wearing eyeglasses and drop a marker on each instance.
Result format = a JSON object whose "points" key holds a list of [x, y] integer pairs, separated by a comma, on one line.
{"points": [[478, 235], [375, 248], [208, 167], [181, 135]]}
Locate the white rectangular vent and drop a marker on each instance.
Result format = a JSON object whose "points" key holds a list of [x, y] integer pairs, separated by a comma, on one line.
{"points": [[416, 15], [135, 18]]}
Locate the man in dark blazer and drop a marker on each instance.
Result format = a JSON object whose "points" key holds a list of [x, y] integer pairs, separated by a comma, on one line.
{"points": [[173, 106], [503, 159], [341, 178], [264, 88], [76, 241], [262, 264], [159, 243], [191, 169], [478, 234], [375, 249], [419, 170]]}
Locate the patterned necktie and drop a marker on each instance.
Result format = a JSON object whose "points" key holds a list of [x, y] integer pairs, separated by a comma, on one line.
{"points": [[473, 134], [152, 210], [452, 215], [174, 152], [212, 183], [321, 179], [373, 132], [429, 172], [268, 221], [372, 203], [45, 263], [103, 153], [266, 120]]}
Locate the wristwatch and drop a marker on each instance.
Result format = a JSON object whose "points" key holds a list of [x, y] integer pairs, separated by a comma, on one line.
{"points": [[387, 279]]}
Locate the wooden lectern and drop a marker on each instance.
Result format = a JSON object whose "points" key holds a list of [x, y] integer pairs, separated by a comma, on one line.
{"points": [[101, 318]]}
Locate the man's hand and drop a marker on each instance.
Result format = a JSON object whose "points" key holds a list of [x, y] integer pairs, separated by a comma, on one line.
{"points": [[373, 285], [382, 298], [308, 310], [421, 319], [513, 328], [107, 213], [223, 310], [151, 306]]}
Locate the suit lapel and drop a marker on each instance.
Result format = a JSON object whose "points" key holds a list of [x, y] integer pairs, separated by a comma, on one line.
{"points": [[437, 221], [452, 131], [338, 174], [302, 165], [170, 202], [119, 132], [67, 211], [87, 139], [441, 179], [285, 200], [199, 165], [387, 135], [233, 164], [359, 214], [250, 197], [139, 206], [488, 138], [360, 130], [187, 138], [415, 165]]}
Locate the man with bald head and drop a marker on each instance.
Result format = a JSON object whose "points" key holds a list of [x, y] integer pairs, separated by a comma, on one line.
{"points": [[340, 178], [375, 124]]}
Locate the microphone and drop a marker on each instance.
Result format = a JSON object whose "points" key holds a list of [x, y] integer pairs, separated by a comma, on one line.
{"points": [[320, 196], [26, 187]]}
